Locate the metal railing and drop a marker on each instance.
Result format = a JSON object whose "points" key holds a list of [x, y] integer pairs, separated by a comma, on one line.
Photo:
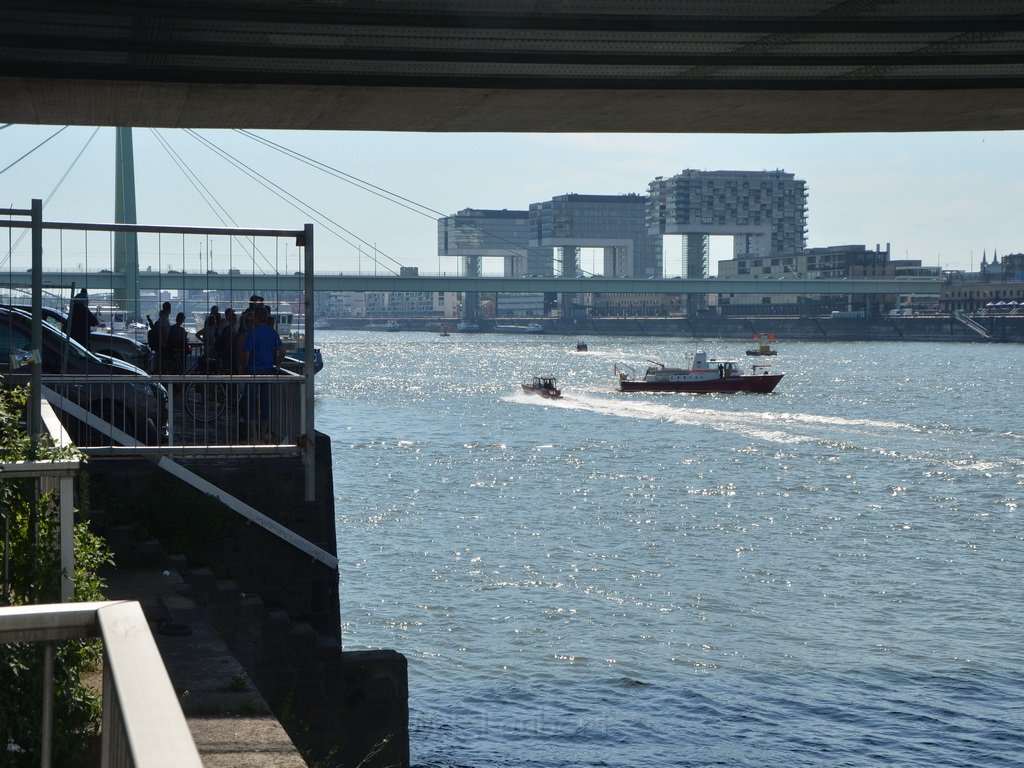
{"points": [[975, 326], [253, 260], [182, 414], [143, 725], [235, 412]]}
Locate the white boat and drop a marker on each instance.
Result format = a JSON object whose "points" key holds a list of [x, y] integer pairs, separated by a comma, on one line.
{"points": [[531, 328], [467, 327]]}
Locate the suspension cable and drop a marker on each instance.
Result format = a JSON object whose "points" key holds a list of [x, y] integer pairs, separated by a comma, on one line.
{"points": [[37, 146], [291, 199]]}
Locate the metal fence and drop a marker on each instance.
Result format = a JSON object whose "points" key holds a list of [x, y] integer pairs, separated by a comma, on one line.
{"points": [[143, 725], [130, 271]]}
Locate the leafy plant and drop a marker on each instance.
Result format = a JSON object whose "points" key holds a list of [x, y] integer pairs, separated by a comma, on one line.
{"points": [[31, 551]]}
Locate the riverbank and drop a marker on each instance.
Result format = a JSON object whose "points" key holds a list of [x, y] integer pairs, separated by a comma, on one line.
{"points": [[991, 328]]}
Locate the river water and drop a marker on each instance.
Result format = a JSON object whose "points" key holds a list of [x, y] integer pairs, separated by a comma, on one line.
{"points": [[828, 575]]}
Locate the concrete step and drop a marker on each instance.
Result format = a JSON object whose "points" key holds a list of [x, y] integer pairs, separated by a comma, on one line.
{"points": [[229, 719]]}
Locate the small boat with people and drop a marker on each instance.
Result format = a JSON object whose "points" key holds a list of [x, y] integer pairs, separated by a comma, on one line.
{"points": [[581, 346], [764, 345], [545, 386], [704, 374]]}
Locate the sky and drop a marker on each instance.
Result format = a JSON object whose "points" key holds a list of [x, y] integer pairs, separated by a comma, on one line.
{"points": [[943, 198]]}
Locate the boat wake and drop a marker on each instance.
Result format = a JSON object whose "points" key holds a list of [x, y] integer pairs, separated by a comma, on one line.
{"points": [[939, 444], [835, 432], [720, 418]]}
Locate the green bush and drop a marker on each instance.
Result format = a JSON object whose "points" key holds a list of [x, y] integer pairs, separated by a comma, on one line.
{"points": [[31, 549]]}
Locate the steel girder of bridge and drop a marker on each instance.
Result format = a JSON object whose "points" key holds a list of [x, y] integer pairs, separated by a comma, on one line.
{"points": [[702, 66], [325, 282]]}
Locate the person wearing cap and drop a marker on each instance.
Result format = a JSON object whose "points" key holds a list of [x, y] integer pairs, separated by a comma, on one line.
{"points": [[256, 301]]}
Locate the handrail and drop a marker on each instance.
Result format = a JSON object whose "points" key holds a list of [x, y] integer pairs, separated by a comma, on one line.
{"points": [[974, 325], [143, 725]]}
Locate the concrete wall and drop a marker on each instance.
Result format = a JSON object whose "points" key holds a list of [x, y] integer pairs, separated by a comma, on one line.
{"points": [[276, 608]]}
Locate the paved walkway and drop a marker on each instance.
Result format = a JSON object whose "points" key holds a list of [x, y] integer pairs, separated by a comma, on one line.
{"points": [[230, 722]]}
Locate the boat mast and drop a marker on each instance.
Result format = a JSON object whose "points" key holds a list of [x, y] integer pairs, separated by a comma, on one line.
{"points": [[126, 244]]}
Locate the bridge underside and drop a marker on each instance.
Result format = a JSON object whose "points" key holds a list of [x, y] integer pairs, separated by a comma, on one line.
{"points": [[629, 65]]}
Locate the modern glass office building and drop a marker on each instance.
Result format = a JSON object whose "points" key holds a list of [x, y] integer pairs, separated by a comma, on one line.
{"points": [[765, 212], [614, 223], [474, 235]]}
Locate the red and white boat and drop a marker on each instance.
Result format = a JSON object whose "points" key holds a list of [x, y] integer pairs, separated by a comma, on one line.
{"points": [[545, 386], [704, 375]]}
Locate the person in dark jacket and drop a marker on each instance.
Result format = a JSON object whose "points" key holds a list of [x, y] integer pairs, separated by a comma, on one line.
{"points": [[177, 346], [81, 320]]}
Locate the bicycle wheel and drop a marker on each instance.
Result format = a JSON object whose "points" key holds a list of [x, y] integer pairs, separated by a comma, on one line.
{"points": [[205, 402]]}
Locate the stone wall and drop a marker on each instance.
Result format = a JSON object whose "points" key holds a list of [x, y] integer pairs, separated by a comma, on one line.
{"points": [[275, 606]]}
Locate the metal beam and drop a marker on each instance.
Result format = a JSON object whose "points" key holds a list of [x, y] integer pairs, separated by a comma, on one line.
{"points": [[326, 282]]}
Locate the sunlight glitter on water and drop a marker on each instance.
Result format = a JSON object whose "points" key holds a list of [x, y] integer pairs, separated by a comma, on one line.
{"points": [[843, 548]]}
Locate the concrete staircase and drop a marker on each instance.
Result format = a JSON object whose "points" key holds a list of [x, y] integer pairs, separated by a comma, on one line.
{"points": [[230, 720]]}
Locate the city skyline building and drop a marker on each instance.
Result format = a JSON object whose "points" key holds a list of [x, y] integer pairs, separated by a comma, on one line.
{"points": [[765, 213], [475, 234], [614, 224]]}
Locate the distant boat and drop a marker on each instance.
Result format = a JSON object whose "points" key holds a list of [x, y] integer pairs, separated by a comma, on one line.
{"points": [[704, 375], [467, 327], [444, 330], [390, 325], [531, 328], [295, 361], [545, 386], [581, 346], [764, 346]]}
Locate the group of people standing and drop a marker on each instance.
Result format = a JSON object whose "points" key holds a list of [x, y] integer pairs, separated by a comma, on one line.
{"points": [[230, 344], [248, 344]]}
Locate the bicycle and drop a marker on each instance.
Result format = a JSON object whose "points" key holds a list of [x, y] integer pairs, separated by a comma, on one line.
{"points": [[205, 401]]}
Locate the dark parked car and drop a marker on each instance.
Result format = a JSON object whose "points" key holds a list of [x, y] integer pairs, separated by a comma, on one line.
{"points": [[101, 342], [113, 390]]}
